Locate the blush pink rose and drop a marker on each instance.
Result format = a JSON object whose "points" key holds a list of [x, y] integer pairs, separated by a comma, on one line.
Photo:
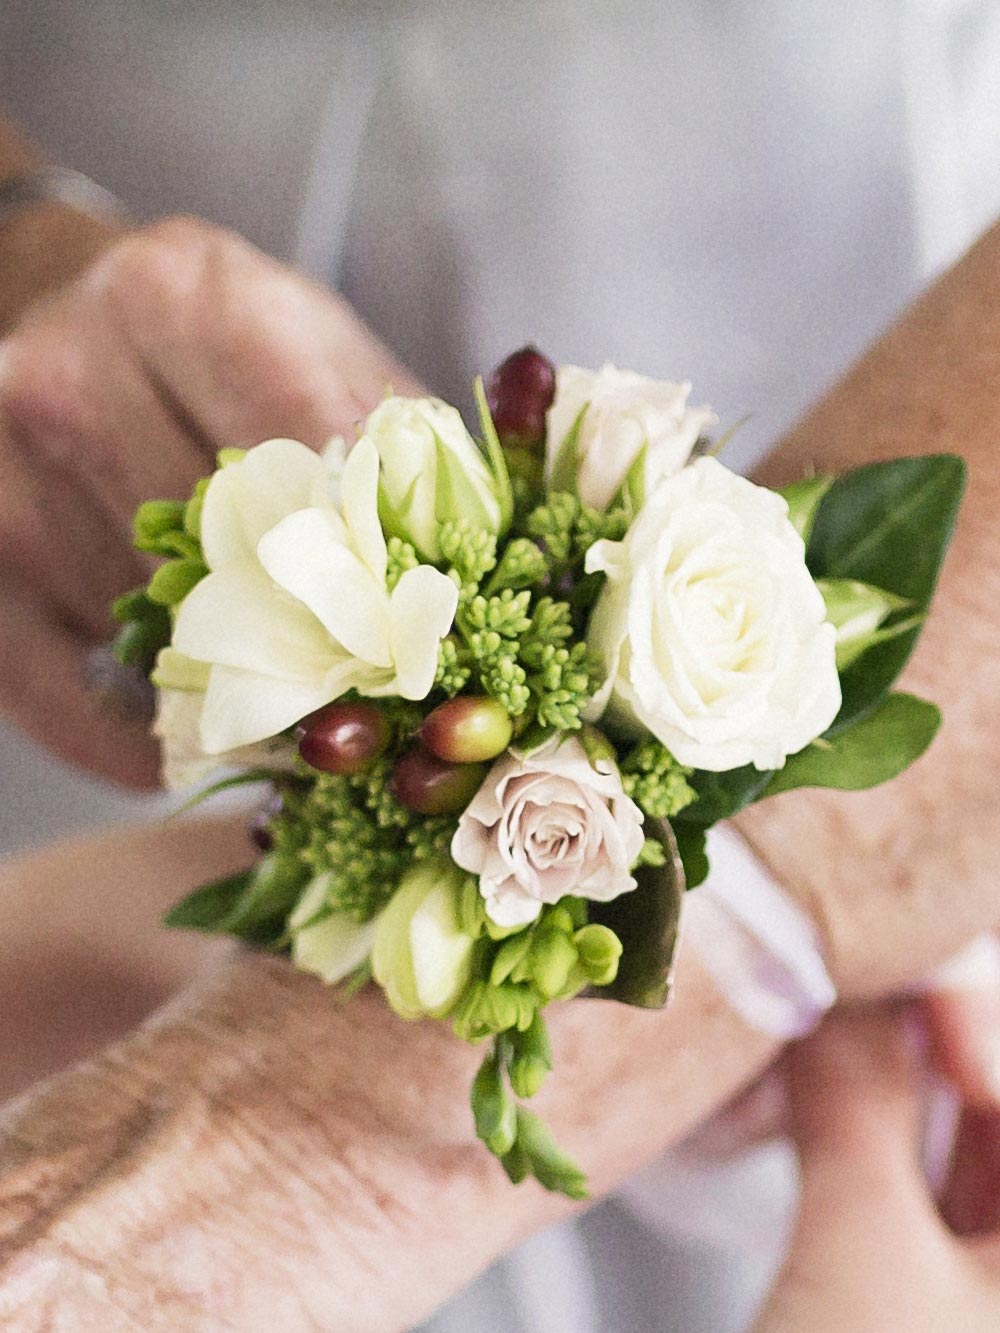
{"points": [[547, 825]]}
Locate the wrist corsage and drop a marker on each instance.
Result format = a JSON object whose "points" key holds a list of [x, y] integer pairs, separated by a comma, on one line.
{"points": [[497, 690]]}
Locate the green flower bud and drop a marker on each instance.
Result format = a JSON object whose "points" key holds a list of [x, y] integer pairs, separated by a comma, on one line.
{"points": [[173, 581], [531, 1058], [550, 961], [599, 951], [857, 610], [803, 500], [431, 471], [154, 520], [421, 956], [493, 1108]]}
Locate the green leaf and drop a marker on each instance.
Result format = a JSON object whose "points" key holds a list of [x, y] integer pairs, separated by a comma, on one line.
{"points": [[888, 525], [566, 463], [691, 849], [247, 778], [873, 750], [252, 905], [646, 922], [210, 905], [721, 795], [495, 455], [549, 1164], [803, 499]]}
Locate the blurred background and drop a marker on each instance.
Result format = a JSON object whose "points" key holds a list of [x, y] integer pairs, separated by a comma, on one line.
{"points": [[742, 194]]}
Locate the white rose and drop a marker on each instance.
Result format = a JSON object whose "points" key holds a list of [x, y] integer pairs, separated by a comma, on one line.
{"points": [[713, 632], [296, 611], [547, 825], [432, 469], [624, 412]]}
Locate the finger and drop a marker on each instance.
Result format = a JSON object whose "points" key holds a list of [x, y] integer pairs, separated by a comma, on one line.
{"points": [[43, 687], [855, 1118], [963, 1021], [970, 1201], [247, 348]]}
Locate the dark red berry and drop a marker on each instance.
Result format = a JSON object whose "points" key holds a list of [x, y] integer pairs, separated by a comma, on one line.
{"points": [[431, 786], [343, 737], [260, 831], [520, 391], [467, 730]]}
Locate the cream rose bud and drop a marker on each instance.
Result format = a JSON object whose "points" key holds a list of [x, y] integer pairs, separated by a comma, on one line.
{"points": [[545, 825], [431, 469], [624, 413], [712, 630], [421, 956]]}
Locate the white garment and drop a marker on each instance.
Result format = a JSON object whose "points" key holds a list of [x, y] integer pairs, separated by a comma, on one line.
{"points": [[741, 194]]}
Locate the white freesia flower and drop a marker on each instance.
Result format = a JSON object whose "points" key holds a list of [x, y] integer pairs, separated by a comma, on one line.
{"points": [[432, 469], [713, 632], [545, 825], [296, 610], [625, 412], [421, 956], [180, 696], [329, 944]]}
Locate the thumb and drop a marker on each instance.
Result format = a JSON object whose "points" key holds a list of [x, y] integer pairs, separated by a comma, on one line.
{"points": [[855, 1116]]}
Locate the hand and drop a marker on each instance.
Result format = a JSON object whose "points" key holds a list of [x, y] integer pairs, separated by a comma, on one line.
{"points": [[871, 1252], [900, 878], [178, 340]]}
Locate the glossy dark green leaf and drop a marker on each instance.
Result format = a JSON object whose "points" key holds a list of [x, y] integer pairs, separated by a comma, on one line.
{"points": [[210, 905], [252, 906], [691, 849], [646, 921], [889, 525], [721, 795], [874, 750]]}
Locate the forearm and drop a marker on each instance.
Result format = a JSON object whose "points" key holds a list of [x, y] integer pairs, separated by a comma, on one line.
{"points": [[43, 245], [266, 1156], [871, 865]]}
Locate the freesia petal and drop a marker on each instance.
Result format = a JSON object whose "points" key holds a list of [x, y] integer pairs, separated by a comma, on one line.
{"points": [[422, 610], [333, 947], [242, 707], [306, 556], [247, 498], [359, 497], [238, 618]]}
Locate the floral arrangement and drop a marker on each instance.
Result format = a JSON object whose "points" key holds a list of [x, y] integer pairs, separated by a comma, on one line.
{"points": [[499, 690]]}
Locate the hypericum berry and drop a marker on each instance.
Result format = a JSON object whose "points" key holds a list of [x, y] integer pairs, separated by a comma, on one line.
{"points": [[467, 730], [520, 391], [343, 737], [431, 786]]}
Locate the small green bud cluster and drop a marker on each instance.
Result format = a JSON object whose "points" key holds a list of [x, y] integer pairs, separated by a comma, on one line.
{"points": [[519, 972], [170, 529], [516, 1067], [656, 781]]}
